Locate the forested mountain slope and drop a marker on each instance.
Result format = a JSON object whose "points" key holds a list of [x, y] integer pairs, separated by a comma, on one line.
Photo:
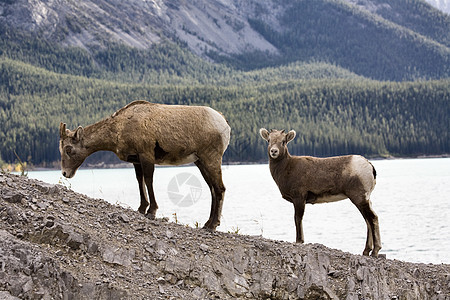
{"points": [[331, 116], [368, 77]]}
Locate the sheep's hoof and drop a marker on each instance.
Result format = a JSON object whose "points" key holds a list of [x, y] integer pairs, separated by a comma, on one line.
{"points": [[375, 254], [209, 226], [150, 216], [142, 209]]}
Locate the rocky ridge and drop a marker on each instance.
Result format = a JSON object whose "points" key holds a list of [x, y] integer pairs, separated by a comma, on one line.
{"points": [[218, 25], [57, 244]]}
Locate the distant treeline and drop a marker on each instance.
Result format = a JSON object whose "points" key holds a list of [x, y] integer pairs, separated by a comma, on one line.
{"points": [[331, 116], [166, 63]]}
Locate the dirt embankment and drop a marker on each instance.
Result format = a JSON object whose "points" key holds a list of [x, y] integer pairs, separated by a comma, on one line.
{"points": [[57, 244]]}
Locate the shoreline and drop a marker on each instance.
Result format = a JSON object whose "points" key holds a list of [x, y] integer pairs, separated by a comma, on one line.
{"points": [[126, 165]]}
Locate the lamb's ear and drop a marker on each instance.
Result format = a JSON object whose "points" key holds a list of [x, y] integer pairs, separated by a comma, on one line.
{"points": [[62, 130], [264, 134], [290, 136], [78, 134]]}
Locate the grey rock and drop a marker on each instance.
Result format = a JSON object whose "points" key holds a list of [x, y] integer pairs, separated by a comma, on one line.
{"points": [[75, 240], [12, 197], [161, 280], [118, 256], [199, 293], [47, 188], [5, 295], [42, 205], [178, 266], [317, 292], [49, 223], [265, 282], [210, 281], [124, 218], [204, 247]]}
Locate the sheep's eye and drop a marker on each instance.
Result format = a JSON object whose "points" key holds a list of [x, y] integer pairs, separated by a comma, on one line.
{"points": [[68, 150], [284, 143]]}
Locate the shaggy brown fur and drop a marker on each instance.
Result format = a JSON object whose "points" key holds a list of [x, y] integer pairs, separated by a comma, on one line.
{"points": [[306, 179], [146, 134]]}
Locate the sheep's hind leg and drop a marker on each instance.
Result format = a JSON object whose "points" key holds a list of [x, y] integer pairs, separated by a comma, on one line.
{"points": [[212, 174], [140, 178], [375, 231], [373, 241]]}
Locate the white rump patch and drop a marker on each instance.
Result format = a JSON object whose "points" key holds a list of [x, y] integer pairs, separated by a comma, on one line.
{"points": [[221, 125], [360, 167]]}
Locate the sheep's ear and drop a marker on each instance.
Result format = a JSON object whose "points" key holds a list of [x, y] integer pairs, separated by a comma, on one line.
{"points": [[78, 134], [264, 134], [62, 130], [290, 136]]}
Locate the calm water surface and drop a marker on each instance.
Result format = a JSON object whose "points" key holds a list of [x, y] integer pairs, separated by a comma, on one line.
{"points": [[411, 199]]}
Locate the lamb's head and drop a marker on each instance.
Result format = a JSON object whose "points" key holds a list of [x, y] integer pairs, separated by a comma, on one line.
{"points": [[278, 140], [73, 153]]}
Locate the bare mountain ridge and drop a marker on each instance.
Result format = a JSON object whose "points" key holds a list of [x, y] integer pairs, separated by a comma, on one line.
{"points": [[377, 39], [443, 5], [217, 25], [203, 25]]}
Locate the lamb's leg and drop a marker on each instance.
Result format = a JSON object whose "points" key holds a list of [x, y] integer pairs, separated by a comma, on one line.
{"points": [[148, 169], [373, 240], [299, 209], [212, 173], [369, 238], [140, 178], [375, 230]]}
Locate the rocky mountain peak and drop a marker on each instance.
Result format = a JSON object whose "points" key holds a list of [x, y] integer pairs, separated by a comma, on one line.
{"points": [[217, 25]]}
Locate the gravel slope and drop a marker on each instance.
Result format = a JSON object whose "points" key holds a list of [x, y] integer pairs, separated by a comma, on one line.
{"points": [[57, 244]]}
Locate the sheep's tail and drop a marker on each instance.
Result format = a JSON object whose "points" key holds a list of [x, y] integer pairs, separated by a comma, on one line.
{"points": [[374, 172]]}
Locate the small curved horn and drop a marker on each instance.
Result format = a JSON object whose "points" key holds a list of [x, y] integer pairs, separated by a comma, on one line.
{"points": [[62, 130], [79, 133]]}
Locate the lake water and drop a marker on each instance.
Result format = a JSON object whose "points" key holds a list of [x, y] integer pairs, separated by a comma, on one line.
{"points": [[411, 199]]}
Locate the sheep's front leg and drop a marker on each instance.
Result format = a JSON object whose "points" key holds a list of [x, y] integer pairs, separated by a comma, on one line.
{"points": [[299, 209], [147, 171], [140, 178]]}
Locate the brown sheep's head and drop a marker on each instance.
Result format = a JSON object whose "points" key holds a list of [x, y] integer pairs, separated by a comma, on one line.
{"points": [[73, 153], [278, 141]]}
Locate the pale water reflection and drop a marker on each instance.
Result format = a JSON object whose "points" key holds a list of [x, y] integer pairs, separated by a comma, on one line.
{"points": [[411, 199]]}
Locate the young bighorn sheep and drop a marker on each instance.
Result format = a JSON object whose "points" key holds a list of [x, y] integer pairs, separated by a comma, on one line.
{"points": [[306, 179], [147, 134]]}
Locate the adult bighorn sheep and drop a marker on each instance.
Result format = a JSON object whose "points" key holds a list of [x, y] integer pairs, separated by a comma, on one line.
{"points": [[146, 134], [306, 179]]}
